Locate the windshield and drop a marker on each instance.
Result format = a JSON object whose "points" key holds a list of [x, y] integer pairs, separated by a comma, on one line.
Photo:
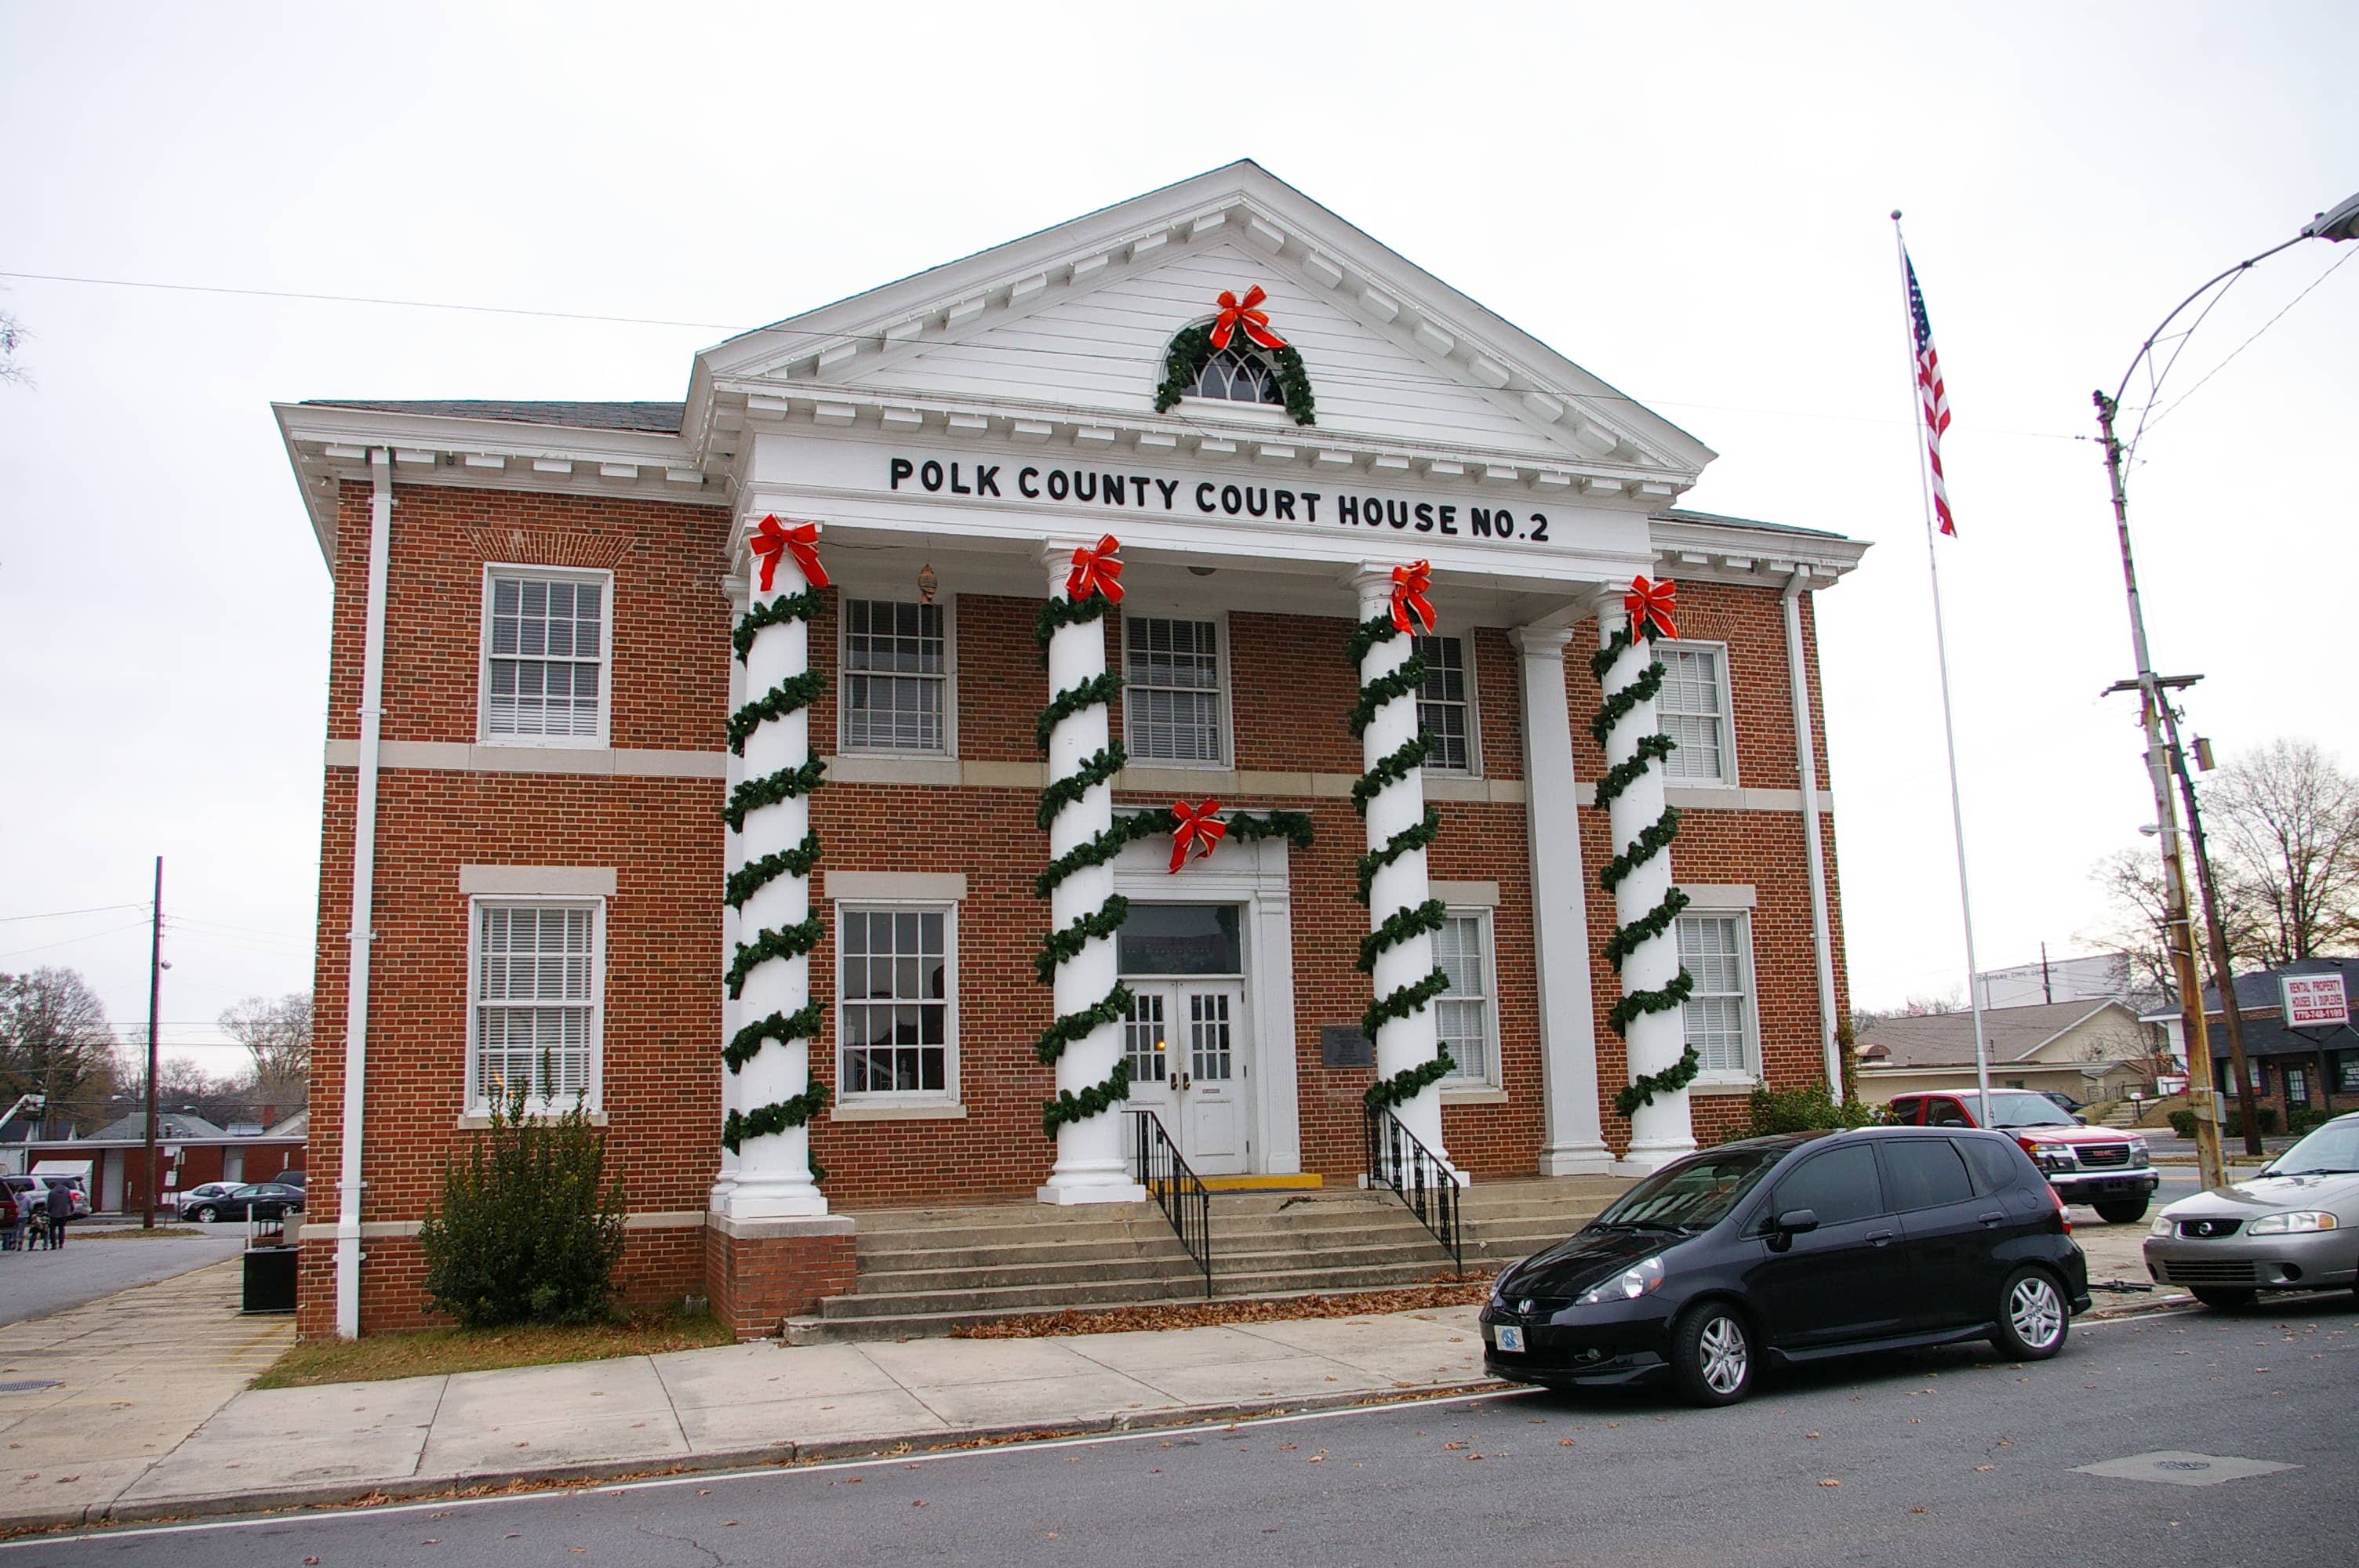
{"points": [[2333, 1149], [2026, 1109], [1694, 1194]]}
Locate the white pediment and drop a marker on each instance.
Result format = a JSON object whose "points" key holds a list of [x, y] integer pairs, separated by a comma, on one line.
{"points": [[1070, 325]]}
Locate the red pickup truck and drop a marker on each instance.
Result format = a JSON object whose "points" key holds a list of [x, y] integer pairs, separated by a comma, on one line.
{"points": [[2102, 1166]]}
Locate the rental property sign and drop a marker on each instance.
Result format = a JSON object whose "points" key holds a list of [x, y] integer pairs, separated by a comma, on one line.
{"points": [[2314, 1001]]}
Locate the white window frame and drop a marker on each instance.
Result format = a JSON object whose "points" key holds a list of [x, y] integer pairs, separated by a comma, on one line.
{"points": [[1461, 1084], [948, 605], [1727, 779], [1473, 768], [475, 1105], [875, 1099], [493, 571], [1730, 904], [1134, 613]]}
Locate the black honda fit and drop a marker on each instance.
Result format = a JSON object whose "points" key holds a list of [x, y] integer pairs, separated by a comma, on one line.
{"points": [[1791, 1248]]}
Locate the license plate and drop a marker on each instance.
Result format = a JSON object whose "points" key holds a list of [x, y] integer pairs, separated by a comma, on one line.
{"points": [[1511, 1339]]}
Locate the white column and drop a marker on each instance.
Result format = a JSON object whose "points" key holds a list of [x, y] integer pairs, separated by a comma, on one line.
{"points": [[732, 927], [1660, 1132], [1403, 1043], [1089, 1164], [1573, 1141], [774, 1171]]}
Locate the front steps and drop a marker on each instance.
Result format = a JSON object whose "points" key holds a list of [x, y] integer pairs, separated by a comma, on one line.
{"points": [[931, 1271]]}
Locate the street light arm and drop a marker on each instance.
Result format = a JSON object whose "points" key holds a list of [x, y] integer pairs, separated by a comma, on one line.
{"points": [[2147, 348]]}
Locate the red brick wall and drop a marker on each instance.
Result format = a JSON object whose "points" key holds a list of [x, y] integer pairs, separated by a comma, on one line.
{"points": [[1293, 688], [758, 1282]]}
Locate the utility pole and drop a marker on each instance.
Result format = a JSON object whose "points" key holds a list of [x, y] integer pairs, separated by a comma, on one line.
{"points": [[2223, 975], [2047, 981], [2177, 936], [155, 998]]}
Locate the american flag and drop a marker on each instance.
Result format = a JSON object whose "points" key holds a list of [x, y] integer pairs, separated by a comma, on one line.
{"points": [[1931, 395]]}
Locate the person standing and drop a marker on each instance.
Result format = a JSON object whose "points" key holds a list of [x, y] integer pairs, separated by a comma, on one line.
{"points": [[60, 1211], [12, 1219]]}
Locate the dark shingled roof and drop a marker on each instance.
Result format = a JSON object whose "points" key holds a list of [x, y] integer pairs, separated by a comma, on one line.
{"points": [[662, 417], [1681, 515]]}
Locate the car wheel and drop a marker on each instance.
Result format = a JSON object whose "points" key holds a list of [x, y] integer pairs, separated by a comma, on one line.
{"points": [[2223, 1301], [2124, 1212], [1711, 1355], [2032, 1316], [208, 1214]]}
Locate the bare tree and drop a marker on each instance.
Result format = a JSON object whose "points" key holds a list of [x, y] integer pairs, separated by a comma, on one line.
{"points": [[55, 1041], [2285, 827], [12, 338], [278, 1034]]}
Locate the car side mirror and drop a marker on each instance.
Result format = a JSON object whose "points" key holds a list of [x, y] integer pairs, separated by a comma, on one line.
{"points": [[1788, 1225], [2080, 1121]]}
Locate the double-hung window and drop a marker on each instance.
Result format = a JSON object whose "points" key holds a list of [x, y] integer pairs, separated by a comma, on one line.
{"points": [[1464, 1014], [535, 1017], [896, 1029], [545, 659], [1445, 704], [1716, 949], [895, 676], [1174, 706], [1693, 710]]}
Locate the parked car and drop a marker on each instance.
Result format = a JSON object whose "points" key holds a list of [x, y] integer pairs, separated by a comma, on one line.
{"points": [[2064, 1102], [1794, 1249], [258, 1200], [2295, 1227], [2103, 1166], [198, 1195], [72, 1184], [290, 1178]]}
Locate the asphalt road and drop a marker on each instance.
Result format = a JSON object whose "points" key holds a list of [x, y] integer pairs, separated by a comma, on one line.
{"points": [[1941, 1457], [90, 1265]]}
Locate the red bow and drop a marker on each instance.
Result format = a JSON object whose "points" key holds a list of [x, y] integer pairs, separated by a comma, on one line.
{"points": [[1650, 605], [1198, 832], [1237, 313], [1095, 571], [771, 539], [1411, 584]]}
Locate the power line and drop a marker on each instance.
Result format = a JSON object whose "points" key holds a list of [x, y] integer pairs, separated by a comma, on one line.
{"points": [[70, 941], [363, 299], [2248, 342], [61, 914]]}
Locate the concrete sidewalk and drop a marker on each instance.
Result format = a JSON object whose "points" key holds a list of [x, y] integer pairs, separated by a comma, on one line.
{"points": [[91, 1398]]}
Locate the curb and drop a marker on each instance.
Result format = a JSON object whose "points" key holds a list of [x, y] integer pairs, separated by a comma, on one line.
{"points": [[326, 1495]]}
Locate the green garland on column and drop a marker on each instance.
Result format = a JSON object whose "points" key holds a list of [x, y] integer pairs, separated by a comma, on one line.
{"points": [[790, 694], [1404, 923], [1059, 947], [1654, 840]]}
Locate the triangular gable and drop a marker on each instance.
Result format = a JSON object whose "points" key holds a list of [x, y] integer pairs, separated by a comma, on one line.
{"points": [[1078, 317]]}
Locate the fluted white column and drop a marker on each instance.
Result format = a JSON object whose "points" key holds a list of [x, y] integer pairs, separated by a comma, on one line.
{"points": [[1402, 1043], [1660, 1130], [1089, 1165], [774, 1178]]}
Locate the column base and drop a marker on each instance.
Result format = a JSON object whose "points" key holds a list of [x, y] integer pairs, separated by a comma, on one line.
{"points": [[783, 1200], [1577, 1160], [1080, 1187], [758, 1273], [1646, 1159]]}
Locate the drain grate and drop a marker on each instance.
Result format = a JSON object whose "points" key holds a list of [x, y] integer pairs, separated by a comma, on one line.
{"points": [[31, 1385]]}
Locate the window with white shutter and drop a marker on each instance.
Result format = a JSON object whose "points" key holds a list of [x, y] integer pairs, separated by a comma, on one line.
{"points": [[545, 657]]}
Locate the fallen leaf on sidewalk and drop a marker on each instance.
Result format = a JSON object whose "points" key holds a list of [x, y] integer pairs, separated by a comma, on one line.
{"points": [[917, 1502], [1454, 1447], [1984, 1469], [1564, 1442], [1831, 1481]]}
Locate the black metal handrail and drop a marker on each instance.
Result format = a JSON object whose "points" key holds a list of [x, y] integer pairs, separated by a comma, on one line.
{"points": [[1397, 1160], [1177, 1191]]}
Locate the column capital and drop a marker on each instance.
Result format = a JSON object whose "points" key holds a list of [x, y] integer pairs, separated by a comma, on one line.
{"points": [[1371, 583], [1541, 642]]}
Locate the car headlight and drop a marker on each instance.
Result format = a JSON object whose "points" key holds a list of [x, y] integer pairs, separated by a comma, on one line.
{"points": [[1629, 1285], [2138, 1152], [2053, 1156], [2299, 1221], [2163, 1225]]}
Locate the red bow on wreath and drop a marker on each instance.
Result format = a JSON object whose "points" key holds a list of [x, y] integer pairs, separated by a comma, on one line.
{"points": [[772, 539], [1198, 832], [1650, 605], [1237, 313], [1411, 584], [1095, 571]]}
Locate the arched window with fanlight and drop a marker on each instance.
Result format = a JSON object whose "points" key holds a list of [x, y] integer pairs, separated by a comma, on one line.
{"points": [[1241, 373]]}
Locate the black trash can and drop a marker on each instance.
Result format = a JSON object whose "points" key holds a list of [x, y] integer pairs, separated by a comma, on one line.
{"points": [[270, 1278]]}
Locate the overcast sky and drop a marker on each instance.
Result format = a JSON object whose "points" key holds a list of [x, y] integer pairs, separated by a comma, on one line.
{"points": [[1689, 200]]}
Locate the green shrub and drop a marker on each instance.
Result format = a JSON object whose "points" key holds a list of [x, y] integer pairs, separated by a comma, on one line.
{"points": [[2308, 1120], [524, 1232], [2183, 1123], [1804, 1110]]}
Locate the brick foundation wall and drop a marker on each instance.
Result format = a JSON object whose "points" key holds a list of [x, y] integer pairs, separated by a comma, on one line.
{"points": [[1293, 684], [661, 1267], [773, 1272]]}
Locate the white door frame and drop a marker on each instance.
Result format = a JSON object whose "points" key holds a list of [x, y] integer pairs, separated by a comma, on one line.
{"points": [[1254, 876]]}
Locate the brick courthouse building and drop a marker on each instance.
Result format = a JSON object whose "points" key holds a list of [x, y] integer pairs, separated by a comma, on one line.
{"points": [[526, 876]]}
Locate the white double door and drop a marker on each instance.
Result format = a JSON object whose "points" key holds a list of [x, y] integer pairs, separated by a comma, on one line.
{"points": [[1188, 1043]]}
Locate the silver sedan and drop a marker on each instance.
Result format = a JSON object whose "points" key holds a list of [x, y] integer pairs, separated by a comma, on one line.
{"points": [[2295, 1227]]}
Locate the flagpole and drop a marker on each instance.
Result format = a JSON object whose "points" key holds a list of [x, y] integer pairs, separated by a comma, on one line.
{"points": [[1941, 654]]}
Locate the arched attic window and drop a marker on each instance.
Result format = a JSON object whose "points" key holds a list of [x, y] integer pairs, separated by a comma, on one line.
{"points": [[1268, 378]]}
